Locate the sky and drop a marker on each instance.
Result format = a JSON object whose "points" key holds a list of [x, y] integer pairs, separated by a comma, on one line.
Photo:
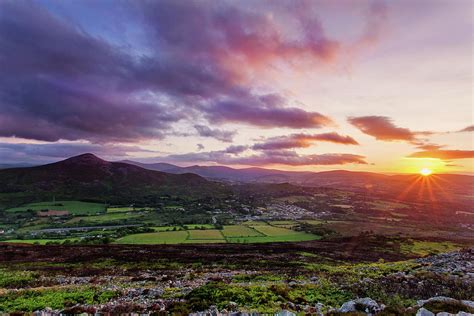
{"points": [[296, 85]]}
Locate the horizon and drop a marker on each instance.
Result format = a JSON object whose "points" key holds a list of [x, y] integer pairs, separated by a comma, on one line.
{"points": [[370, 86], [129, 161]]}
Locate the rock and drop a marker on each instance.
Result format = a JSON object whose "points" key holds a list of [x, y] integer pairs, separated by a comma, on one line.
{"points": [[424, 312], [365, 304], [285, 313]]}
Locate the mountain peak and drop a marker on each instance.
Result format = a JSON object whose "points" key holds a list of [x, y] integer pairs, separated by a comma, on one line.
{"points": [[88, 158]]}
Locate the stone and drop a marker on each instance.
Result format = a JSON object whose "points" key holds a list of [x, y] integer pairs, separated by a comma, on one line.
{"points": [[365, 304], [424, 312]]}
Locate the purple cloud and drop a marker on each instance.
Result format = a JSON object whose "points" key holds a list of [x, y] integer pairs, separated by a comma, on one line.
{"points": [[382, 128], [303, 141], [283, 157], [194, 60], [51, 151], [224, 136]]}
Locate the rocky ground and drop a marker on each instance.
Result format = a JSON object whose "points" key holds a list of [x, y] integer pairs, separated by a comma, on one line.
{"points": [[435, 285]]}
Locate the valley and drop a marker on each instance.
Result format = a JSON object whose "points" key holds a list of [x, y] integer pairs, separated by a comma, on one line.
{"points": [[87, 235]]}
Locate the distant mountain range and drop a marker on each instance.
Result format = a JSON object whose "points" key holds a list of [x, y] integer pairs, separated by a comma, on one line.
{"points": [[461, 186], [89, 177]]}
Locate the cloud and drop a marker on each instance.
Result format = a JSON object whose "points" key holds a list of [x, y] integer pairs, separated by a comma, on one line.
{"points": [[184, 60], [467, 129], [58, 82], [26, 152], [382, 128], [283, 157], [205, 131], [444, 154], [303, 141], [200, 147], [264, 111], [235, 149], [429, 147]]}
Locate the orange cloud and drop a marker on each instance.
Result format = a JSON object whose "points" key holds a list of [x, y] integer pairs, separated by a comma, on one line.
{"points": [[382, 128], [444, 154], [303, 141]]}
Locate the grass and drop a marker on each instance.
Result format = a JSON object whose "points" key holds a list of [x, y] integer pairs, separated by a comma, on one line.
{"points": [[268, 230], [198, 226], [425, 248], [166, 228], [125, 209], [239, 231], [110, 217], [205, 234], [31, 300], [230, 233], [172, 237], [296, 236], [39, 241], [74, 207]]}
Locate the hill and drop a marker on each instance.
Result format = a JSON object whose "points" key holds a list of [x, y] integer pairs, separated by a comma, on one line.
{"points": [[89, 177]]}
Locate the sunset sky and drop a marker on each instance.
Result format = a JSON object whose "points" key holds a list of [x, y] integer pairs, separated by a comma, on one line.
{"points": [[298, 85]]}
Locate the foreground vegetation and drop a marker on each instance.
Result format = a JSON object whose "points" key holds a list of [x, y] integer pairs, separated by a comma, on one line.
{"points": [[262, 278]]}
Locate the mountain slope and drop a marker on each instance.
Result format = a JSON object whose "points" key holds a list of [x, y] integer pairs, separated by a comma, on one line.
{"points": [[87, 176]]}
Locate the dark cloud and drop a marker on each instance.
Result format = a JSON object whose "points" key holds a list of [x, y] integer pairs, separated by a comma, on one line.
{"points": [[303, 141], [195, 58], [382, 128], [205, 131], [52, 151], [58, 82], [444, 154]]}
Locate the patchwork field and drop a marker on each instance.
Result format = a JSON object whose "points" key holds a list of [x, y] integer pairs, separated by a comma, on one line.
{"points": [[74, 207], [240, 231], [261, 233], [172, 237], [205, 234]]}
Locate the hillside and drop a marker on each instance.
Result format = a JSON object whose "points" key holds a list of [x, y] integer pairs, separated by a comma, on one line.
{"points": [[89, 177]]}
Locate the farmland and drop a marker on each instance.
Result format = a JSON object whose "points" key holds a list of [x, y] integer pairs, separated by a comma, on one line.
{"points": [[228, 234], [74, 207]]}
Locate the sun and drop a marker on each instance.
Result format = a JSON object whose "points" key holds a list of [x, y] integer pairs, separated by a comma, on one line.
{"points": [[426, 172]]}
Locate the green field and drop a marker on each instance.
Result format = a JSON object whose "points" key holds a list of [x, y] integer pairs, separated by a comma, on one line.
{"points": [[40, 241], [198, 226], [205, 234], [268, 230], [231, 233], [294, 237], [74, 207], [174, 237], [240, 231], [126, 209], [105, 218]]}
